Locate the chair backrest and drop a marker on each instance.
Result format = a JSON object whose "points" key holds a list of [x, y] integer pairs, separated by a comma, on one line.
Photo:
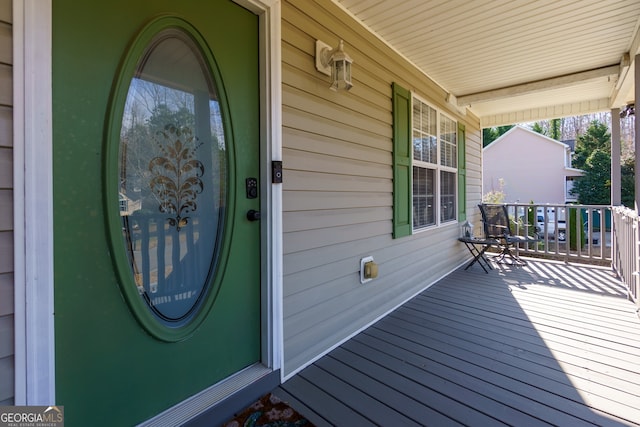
{"points": [[495, 219]]}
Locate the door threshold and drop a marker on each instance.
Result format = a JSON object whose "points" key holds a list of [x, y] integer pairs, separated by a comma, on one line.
{"points": [[219, 401]]}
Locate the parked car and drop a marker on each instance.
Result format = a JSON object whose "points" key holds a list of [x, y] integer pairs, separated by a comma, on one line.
{"points": [[595, 236], [548, 228]]}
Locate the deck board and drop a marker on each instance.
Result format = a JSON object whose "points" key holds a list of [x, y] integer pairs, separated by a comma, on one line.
{"points": [[545, 344]]}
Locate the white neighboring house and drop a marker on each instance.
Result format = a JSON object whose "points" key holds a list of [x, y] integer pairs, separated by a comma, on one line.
{"points": [[534, 168]]}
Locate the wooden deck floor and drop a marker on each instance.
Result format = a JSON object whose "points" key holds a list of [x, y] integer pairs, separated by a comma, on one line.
{"points": [[544, 344]]}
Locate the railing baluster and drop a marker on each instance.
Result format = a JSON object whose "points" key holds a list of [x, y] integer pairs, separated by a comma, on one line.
{"points": [[577, 223], [624, 244]]}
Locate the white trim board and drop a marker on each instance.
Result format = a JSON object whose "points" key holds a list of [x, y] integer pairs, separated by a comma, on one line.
{"points": [[33, 203], [271, 194]]}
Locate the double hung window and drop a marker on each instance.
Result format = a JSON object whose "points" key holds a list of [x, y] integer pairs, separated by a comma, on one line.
{"points": [[435, 163]]}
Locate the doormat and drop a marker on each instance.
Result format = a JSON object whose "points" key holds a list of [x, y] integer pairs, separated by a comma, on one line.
{"points": [[269, 411]]}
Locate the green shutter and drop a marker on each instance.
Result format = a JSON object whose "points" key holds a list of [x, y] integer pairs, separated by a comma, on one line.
{"points": [[462, 173], [402, 204]]}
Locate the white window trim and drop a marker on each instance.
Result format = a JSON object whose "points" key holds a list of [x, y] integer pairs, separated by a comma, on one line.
{"points": [[437, 167]]}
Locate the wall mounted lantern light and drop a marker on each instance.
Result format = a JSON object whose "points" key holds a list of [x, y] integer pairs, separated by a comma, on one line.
{"points": [[336, 63]]}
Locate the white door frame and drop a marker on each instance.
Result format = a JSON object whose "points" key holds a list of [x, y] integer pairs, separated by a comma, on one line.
{"points": [[33, 203], [268, 12], [33, 195]]}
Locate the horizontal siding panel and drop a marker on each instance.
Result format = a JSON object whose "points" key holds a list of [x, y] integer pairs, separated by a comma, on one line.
{"points": [[413, 256], [375, 151], [6, 126], [317, 85], [322, 274], [307, 122], [304, 240], [312, 220], [6, 84], [6, 292], [319, 200], [6, 336], [6, 252], [422, 243], [334, 113], [297, 180], [6, 210], [6, 11], [369, 96], [6, 379], [300, 261], [6, 44], [6, 168], [340, 288], [305, 161], [298, 52], [345, 276]]}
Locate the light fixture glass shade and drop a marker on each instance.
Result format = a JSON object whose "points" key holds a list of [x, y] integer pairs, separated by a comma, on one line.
{"points": [[340, 69]]}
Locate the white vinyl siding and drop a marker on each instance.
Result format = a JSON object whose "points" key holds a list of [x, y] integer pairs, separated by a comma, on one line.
{"points": [[338, 186], [6, 207]]}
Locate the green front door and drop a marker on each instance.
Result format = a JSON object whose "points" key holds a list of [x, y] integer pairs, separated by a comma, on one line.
{"points": [[156, 166]]}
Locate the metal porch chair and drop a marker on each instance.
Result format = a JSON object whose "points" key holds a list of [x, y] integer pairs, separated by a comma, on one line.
{"points": [[497, 226]]}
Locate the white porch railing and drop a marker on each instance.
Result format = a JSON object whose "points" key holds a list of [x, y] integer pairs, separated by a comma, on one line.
{"points": [[599, 234], [565, 232], [626, 243]]}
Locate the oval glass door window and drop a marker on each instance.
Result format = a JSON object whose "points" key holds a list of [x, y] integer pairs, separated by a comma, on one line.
{"points": [[172, 172]]}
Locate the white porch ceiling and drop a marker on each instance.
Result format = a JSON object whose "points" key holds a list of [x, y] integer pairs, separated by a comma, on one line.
{"points": [[512, 61]]}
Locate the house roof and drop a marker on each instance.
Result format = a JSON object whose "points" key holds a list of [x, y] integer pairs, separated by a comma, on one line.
{"points": [[516, 129], [514, 61]]}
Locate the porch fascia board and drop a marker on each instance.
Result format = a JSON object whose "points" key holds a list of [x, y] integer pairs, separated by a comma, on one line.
{"points": [[33, 203], [545, 113], [537, 86], [626, 79]]}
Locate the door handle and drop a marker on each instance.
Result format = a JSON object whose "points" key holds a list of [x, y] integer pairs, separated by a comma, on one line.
{"points": [[253, 215]]}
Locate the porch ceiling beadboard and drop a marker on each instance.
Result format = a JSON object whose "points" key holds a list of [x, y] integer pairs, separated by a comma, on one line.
{"points": [[337, 191], [510, 61]]}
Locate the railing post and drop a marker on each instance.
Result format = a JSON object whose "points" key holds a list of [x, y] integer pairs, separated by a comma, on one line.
{"points": [[616, 173], [635, 282]]}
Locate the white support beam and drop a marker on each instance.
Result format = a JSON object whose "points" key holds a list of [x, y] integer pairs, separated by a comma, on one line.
{"points": [[545, 113], [637, 135], [537, 86], [616, 173]]}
